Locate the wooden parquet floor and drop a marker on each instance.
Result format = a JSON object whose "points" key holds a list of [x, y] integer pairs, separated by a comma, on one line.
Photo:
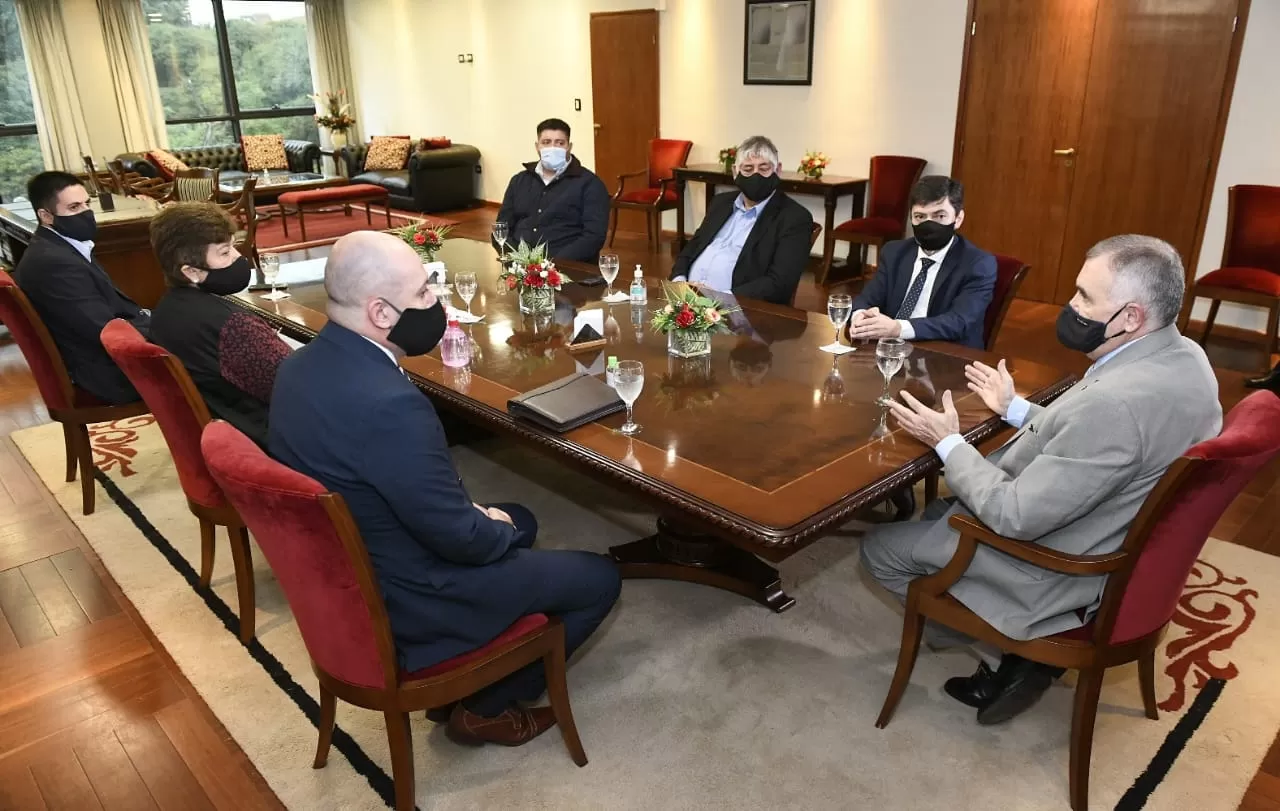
{"points": [[95, 714]]}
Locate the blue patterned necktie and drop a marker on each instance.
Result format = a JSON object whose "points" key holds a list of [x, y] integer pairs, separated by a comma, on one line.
{"points": [[917, 287]]}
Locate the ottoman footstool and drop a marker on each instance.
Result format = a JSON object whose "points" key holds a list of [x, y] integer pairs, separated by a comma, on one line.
{"points": [[300, 202]]}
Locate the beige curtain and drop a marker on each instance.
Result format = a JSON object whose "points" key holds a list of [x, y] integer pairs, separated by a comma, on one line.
{"points": [[330, 56], [64, 139], [133, 74]]}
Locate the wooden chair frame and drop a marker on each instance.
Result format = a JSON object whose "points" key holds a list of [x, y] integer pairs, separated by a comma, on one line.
{"points": [[863, 240], [396, 698], [196, 172], [927, 598], [652, 211], [75, 421], [1217, 295], [244, 211]]}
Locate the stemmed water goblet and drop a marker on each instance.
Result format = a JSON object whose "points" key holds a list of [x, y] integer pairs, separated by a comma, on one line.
{"points": [[839, 308], [890, 354], [628, 382], [465, 284]]}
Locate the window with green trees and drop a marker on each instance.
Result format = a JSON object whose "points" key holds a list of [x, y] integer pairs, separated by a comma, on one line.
{"points": [[19, 147], [231, 67]]}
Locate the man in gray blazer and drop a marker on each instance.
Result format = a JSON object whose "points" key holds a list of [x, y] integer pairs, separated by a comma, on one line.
{"points": [[1074, 475]]}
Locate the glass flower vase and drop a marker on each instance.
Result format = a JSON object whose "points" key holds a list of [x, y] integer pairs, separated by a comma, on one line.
{"points": [[537, 300], [685, 343]]}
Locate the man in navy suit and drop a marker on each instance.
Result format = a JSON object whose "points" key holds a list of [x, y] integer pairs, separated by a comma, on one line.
{"points": [[454, 574], [935, 287]]}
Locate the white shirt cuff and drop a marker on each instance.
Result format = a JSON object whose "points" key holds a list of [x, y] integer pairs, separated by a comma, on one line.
{"points": [[908, 331], [1017, 413], [947, 444]]}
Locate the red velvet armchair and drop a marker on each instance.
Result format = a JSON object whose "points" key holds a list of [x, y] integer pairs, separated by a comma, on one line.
{"points": [[1250, 272], [1145, 576], [888, 196], [67, 403], [315, 550], [181, 413], [658, 195], [1009, 275]]}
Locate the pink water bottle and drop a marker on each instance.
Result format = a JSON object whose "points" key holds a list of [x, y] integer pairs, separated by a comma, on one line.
{"points": [[455, 347]]}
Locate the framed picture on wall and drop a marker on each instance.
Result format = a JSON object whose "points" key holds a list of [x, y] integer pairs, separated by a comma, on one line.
{"points": [[778, 42]]}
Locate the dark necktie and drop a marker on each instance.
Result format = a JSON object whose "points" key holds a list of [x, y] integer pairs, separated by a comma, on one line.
{"points": [[917, 287]]}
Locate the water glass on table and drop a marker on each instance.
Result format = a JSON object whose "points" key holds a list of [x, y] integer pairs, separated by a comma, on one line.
{"points": [[269, 263], [465, 285], [890, 355], [839, 308], [609, 264], [500, 235], [629, 382]]}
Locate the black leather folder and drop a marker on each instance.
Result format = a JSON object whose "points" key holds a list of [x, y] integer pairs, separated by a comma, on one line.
{"points": [[567, 403]]}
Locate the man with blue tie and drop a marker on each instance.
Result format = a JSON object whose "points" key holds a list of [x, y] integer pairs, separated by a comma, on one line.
{"points": [[753, 242], [934, 287], [454, 574]]}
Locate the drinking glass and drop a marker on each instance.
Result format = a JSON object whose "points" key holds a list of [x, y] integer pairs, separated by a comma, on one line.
{"points": [[500, 236], [609, 265], [628, 382], [270, 265], [465, 284], [839, 308], [890, 354]]}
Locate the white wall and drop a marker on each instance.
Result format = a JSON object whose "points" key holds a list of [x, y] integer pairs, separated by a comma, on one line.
{"points": [[1250, 148], [886, 79]]}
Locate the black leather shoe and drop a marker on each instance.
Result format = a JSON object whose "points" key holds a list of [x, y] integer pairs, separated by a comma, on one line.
{"points": [[1270, 381], [904, 503], [976, 690], [440, 715], [1019, 685]]}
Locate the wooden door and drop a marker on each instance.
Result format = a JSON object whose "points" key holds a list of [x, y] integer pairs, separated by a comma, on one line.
{"points": [[1022, 93], [624, 95], [1158, 84]]}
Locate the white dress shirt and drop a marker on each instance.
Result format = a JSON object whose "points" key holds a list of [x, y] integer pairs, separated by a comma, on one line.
{"points": [[1016, 414], [83, 246], [386, 352]]}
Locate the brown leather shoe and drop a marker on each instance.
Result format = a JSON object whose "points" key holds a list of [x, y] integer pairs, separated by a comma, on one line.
{"points": [[514, 727]]}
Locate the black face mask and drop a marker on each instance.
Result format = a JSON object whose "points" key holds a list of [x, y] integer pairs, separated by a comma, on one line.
{"points": [[82, 227], [757, 187], [933, 236], [1083, 334], [418, 330], [231, 279]]}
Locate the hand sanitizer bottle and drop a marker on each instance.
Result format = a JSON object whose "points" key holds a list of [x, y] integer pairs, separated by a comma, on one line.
{"points": [[639, 295], [611, 370], [455, 346]]}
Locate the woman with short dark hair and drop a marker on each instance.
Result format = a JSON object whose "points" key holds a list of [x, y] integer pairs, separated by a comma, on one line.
{"points": [[230, 353]]}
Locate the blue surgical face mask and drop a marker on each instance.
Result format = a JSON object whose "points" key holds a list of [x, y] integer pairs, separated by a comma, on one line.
{"points": [[554, 158]]}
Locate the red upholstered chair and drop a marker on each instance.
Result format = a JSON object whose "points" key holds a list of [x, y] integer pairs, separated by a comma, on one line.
{"points": [[659, 194], [315, 550], [1146, 576], [1009, 275], [888, 204], [67, 403], [182, 414], [1250, 272]]}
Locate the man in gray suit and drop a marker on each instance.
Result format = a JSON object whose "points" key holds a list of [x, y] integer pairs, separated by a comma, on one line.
{"points": [[1074, 475]]}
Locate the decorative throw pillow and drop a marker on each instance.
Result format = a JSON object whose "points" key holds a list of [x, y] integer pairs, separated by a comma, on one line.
{"points": [[439, 142], [387, 154], [166, 162], [262, 152]]}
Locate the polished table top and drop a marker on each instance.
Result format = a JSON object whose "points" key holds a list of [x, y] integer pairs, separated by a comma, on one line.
{"points": [[767, 442]]}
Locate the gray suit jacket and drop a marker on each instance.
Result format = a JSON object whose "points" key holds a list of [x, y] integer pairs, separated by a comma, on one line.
{"points": [[1075, 476]]}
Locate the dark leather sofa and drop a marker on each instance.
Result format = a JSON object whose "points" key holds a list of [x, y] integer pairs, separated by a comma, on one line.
{"points": [[304, 156], [434, 180]]}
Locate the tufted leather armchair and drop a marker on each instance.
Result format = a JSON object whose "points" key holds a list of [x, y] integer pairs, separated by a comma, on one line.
{"points": [[434, 180], [304, 156]]}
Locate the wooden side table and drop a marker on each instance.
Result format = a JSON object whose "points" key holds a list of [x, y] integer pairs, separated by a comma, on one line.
{"points": [[339, 167]]}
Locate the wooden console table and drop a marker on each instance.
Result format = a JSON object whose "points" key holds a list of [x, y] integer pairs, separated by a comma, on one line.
{"points": [[829, 187]]}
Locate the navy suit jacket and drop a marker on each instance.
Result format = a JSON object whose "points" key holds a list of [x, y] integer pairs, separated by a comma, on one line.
{"points": [[961, 291], [344, 414]]}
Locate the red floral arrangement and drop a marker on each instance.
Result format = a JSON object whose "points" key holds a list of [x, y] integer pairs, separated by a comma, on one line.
{"points": [[528, 268], [424, 237]]}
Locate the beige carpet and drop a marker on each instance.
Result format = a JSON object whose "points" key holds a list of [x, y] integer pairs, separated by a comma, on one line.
{"points": [[692, 698]]}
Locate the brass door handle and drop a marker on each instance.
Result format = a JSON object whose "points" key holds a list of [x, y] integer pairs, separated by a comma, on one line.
{"points": [[1065, 153], [596, 126]]}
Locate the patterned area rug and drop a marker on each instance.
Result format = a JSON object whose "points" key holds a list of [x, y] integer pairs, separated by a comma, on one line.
{"points": [[693, 698], [323, 229]]}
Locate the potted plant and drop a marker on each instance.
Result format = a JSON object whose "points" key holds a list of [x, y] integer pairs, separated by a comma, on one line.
{"points": [[533, 276], [728, 157], [424, 237], [689, 320], [813, 164], [337, 116]]}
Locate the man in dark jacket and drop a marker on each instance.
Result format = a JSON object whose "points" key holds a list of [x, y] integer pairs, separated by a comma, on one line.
{"points": [[71, 292], [556, 200], [754, 242], [935, 287]]}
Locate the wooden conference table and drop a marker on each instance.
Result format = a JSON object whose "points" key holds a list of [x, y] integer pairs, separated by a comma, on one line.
{"points": [[750, 453]]}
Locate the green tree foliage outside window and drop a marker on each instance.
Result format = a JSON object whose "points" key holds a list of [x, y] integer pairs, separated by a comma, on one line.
{"points": [[19, 153]]}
